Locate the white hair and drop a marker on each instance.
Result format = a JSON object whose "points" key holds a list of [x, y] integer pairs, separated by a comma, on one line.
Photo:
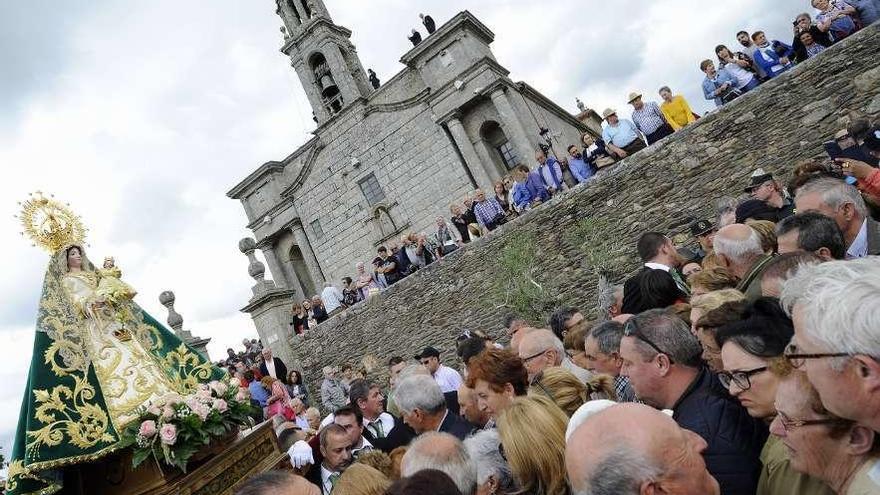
{"points": [[428, 452], [620, 472], [544, 340], [419, 392], [484, 452], [835, 193], [742, 251], [412, 370], [838, 302]]}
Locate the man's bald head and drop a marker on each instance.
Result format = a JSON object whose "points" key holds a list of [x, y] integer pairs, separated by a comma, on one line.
{"points": [[443, 452], [277, 482], [737, 246], [626, 447], [541, 339]]}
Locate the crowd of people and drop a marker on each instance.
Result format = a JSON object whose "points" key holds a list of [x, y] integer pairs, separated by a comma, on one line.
{"points": [[748, 363], [743, 361], [524, 188]]}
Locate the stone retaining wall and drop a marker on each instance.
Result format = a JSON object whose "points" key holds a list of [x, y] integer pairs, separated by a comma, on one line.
{"points": [[552, 255]]}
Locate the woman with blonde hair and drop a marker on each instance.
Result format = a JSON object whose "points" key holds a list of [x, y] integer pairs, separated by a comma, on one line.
{"points": [[361, 479], [532, 431], [704, 303], [567, 391], [278, 400], [711, 279], [766, 232]]}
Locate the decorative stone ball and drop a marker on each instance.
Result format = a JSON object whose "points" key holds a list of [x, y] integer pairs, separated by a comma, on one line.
{"points": [[247, 245]]}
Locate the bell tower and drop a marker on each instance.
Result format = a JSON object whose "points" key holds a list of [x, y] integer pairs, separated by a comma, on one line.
{"points": [[323, 56]]}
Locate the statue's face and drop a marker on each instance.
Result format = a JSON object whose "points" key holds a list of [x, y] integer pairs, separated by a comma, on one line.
{"points": [[74, 258]]}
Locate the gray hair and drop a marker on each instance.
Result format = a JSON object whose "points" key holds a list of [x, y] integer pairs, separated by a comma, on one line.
{"points": [[839, 301], [835, 193], [327, 370], [419, 392], [412, 370], [608, 335], [484, 452], [739, 252], [428, 452], [670, 333], [544, 340], [607, 297], [621, 472]]}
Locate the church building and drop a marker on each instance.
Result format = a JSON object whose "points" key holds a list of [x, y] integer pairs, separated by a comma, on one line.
{"points": [[385, 160]]}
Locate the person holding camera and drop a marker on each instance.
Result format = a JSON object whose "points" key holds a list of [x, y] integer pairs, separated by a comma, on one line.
{"points": [[719, 85]]}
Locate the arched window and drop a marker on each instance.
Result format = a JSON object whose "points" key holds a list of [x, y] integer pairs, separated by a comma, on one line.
{"points": [[495, 139], [330, 95]]}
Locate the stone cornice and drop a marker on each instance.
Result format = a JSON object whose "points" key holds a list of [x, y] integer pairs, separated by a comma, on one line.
{"points": [[310, 27], [268, 168], [399, 105], [257, 303], [464, 20], [305, 170]]}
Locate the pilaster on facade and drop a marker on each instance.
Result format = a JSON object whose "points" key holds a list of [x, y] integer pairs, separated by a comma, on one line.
{"points": [[511, 121], [466, 146]]}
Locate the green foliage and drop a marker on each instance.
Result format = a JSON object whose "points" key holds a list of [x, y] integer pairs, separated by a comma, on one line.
{"points": [[516, 285], [212, 412], [600, 252]]}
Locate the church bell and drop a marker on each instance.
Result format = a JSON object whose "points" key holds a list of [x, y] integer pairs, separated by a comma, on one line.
{"points": [[328, 86]]}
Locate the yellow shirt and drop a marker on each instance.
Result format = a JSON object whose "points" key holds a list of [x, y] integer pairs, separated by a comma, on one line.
{"points": [[677, 112], [778, 477]]}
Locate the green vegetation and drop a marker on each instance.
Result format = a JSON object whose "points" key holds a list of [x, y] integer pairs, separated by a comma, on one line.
{"points": [[516, 285]]}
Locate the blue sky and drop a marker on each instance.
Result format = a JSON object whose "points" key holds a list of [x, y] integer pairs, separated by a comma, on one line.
{"points": [[142, 115]]}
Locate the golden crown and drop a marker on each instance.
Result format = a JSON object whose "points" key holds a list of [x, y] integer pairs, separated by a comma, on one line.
{"points": [[49, 223]]}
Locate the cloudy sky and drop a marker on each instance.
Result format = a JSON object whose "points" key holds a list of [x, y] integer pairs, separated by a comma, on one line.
{"points": [[143, 114]]}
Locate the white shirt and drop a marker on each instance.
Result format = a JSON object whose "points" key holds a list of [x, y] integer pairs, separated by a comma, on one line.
{"points": [[448, 379], [385, 419], [332, 298], [742, 76], [657, 266], [270, 367], [859, 246], [365, 444], [326, 486]]}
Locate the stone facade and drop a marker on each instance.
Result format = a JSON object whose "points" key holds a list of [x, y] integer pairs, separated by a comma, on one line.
{"points": [[563, 245], [389, 160]]}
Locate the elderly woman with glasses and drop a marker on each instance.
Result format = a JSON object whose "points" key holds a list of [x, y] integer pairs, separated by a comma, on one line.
{"points": [[752, 354], [493, 472], [834, 450]]}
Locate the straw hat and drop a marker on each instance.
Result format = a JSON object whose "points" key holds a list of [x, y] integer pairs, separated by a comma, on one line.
{"points": [[633, 97], [608, 112]]}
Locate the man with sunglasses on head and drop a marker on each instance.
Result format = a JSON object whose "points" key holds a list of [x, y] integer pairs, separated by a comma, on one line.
{"points": [[662, 359], [448, 379]]}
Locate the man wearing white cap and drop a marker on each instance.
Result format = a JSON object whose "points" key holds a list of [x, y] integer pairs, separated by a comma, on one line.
{"points": [[621, 136], [649, 119]]}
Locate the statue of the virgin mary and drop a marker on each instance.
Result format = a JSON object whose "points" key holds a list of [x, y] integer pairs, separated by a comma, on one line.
{"points": [[95, 363]]}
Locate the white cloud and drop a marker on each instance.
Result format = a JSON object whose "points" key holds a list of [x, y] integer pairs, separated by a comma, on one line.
{"points": [[142, 115]]}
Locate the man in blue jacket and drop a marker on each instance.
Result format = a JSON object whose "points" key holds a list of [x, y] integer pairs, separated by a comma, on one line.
{"points": [[774, 57], [662, 359], [718, 85]]}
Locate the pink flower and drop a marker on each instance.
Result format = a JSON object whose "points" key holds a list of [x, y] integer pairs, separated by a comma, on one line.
{"points": [[203, 394], [168, 434], [242, 395], [148, 429], [153, 409], [201, 411], [167, 413], [220, 405]]}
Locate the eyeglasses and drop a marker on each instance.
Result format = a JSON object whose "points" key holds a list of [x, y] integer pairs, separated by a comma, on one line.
{"points": [[631, 329], [789, 424], [533, 356], [742, 379], [797, 360]]}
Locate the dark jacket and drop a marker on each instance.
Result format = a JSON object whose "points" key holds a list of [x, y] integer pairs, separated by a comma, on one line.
{"points": [[399, 436], [649, 289], [873, 228], [456, 426], [280, 370], [800, 51], [735, 439], [750, 285]]}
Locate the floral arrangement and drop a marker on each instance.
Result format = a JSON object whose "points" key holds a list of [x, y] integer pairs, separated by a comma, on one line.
{"points": [[175, 427]]}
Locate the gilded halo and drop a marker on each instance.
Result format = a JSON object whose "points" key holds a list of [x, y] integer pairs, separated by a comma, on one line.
{"points": [[50, 224]]}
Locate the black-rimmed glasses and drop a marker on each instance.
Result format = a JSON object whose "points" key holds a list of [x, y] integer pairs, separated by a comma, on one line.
{"points": [[789, 424], [631, 329], [533, 356], [742, 379], [797, 359]]}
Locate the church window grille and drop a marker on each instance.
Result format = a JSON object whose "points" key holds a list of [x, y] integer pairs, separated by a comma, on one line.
{"points": [[508, 154], [317, 229], [372, 190]]}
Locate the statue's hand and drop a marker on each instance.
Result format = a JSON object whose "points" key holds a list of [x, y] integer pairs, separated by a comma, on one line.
{"points": [[301, 454]]}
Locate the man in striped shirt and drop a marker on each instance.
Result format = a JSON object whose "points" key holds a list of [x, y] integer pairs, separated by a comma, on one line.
{"points": [[649, 119]]}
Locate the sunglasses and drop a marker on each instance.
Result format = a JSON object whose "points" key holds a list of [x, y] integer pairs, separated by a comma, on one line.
{"points": [[631, 329]]}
